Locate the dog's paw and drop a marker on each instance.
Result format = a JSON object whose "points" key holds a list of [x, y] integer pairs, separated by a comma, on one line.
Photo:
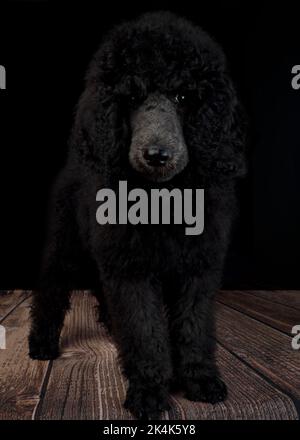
{"points": [[43, 349], [147, 403], [206, 389]]}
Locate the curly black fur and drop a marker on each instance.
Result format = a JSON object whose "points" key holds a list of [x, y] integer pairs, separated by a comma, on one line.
{"points": [[145, 270]]}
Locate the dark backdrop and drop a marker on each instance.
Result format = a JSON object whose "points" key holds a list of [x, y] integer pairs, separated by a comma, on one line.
{"points": [[46, 46]]}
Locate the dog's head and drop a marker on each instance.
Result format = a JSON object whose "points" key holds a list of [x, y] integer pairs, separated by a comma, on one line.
{"points": [[159, 100]]}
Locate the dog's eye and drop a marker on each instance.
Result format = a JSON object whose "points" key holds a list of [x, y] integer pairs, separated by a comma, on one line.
{"points": [[133, 99], [180, 98]]}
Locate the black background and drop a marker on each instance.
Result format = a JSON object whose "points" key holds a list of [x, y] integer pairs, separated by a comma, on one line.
{"points": [[46, 46]]}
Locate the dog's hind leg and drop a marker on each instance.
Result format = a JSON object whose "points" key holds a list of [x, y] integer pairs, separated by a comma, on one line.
{"points": [[103, 312]]}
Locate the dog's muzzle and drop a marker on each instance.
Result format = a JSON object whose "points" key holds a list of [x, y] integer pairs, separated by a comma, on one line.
{"points": [[158, 150]]}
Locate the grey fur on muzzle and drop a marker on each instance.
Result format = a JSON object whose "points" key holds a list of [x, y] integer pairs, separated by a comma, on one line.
{"points": [[158, 150]]}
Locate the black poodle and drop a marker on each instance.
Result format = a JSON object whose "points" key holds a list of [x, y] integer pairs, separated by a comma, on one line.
{"points": [[159, 110]]}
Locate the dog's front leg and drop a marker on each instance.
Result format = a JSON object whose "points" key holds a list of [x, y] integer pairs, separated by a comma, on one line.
{"points": [[47, 316], [192, 333], [51, 299], [140, 330]]}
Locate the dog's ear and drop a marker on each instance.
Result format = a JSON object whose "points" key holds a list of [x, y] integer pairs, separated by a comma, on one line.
{"points": [[83, 134], [231, 151], [217, 131], [97, 131], [89, 116]]}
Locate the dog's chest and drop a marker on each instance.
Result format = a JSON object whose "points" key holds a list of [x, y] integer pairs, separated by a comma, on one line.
{"points": [[170, 250]]}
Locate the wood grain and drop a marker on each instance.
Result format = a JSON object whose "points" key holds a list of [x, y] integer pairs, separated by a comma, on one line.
{"points": [[249, 397], [290, 298], [86, 381], [274, 314], [9, 300], [267, 350], [21, 378]]}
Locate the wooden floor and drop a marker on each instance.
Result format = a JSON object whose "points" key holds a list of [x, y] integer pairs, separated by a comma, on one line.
{"points": [[255, 356]]}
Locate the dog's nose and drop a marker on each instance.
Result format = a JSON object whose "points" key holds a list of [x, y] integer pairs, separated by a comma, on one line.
{"points": [[157, 156]]}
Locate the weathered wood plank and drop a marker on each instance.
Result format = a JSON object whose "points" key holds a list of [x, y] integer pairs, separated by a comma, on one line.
{"points": [[9, 300], [21, 378], [86, 381], [290, 298], [249, 397], [264, 348], [277, 315]]}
